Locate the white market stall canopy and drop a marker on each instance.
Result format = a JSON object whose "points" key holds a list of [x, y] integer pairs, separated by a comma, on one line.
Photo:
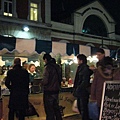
{"points": [[10, 46]]}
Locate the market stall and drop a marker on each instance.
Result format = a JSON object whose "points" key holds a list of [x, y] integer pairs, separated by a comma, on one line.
{"points": [[65, 55]]}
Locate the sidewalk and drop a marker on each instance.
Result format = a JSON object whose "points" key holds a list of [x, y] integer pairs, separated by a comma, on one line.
{"points": [[74, 117]]}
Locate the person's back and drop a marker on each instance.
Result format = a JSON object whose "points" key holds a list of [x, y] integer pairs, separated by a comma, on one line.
{"points": [[17, 81]]}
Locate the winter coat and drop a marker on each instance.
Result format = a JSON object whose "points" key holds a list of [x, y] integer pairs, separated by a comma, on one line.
{"points": [[82, 81], [51, 79], [17, 81], [98, 81]]}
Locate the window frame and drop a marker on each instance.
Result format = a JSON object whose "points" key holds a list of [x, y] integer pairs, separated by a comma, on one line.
{"points": [[32, 8], [39, 10], [14, 14]]}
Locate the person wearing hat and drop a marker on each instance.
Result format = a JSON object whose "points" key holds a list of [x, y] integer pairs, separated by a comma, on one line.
{"points": [[17, 81]]}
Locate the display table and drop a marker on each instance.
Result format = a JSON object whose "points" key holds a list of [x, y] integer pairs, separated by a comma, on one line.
{"points": [[66, 100]]}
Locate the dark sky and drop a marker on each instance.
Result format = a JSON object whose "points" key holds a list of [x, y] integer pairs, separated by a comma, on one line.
{"points": [[63, 8]]}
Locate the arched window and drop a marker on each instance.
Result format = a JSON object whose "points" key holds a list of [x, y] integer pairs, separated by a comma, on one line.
{"points": [[94, 25]]}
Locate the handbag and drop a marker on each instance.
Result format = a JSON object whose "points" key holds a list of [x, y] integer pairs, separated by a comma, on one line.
{"points": [[93, 110], [30, 111], [74, 107]]}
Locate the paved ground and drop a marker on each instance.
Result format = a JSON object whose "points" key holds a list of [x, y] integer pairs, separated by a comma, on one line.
{"points": [[75, 117]]}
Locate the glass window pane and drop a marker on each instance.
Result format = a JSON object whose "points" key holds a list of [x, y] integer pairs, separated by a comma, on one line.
{"points": [[31, 14], [34, 11], [10, 14], [35, 15], [6, 14], [10, 7], [33, 5], [5, 7]]}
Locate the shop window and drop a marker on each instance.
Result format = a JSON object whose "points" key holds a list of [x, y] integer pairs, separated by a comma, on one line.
{"points": [[8, 8], [33, 11]]}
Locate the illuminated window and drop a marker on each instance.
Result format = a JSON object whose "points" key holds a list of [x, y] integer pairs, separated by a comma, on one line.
{"points": [[34, 11], [8, 5]]}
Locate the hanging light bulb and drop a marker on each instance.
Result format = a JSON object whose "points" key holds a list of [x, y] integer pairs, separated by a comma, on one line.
{"points": [[26, 28]]}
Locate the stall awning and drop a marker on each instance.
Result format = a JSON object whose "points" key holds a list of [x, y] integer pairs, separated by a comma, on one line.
{"points": [[58, 48], [43, 46], [86, 50], [72, 49], [113, 53], [11, 46], [107, 52], [94, 50], [7, 42], [23, 44]]}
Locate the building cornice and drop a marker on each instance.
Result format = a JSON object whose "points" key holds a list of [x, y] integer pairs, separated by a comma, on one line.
{"points": [[25, 22]]}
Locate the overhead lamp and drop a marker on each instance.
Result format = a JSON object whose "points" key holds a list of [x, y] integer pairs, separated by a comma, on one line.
{"points": [[26, 28]]}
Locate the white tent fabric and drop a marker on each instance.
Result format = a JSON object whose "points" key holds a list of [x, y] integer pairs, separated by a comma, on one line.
{"points": [[58, 48], [25, 45], [107, 52], [86, 50]]}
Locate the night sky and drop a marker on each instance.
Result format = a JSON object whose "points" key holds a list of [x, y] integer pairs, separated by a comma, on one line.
{"points": [[63, 8]]}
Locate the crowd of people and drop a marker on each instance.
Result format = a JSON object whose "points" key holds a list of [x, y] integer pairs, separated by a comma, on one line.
{"points": [[104, 71], [19, 77]]}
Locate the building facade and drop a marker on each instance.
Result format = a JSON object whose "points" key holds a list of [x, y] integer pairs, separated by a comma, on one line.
{"points": [[17, 14], [90, 25]]}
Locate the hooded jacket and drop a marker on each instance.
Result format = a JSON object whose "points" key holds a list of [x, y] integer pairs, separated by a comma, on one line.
{"points": [[99, 79]]}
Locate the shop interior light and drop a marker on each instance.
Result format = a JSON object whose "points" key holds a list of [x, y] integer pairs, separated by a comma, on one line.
{"points": [[93, 58], [75, 60], [26, 28], [71, 62]]}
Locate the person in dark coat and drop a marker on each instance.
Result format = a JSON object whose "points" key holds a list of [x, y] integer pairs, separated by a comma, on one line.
{"points": [[17, 81], [81, 85], [51, 86]]}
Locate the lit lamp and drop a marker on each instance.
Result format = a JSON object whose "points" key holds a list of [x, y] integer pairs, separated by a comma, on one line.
{"points": [[26, 28]]}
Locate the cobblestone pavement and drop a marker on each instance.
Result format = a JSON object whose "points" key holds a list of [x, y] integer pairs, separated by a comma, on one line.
{"points": [[74, 117]]}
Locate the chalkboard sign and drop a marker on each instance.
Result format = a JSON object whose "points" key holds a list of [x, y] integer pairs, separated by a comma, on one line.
{"points": [[110, 106]]}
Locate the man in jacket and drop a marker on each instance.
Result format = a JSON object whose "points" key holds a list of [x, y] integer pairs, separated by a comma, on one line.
{"points": [[51, 86], [100, 55], [17, 82], [81, 84]]}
